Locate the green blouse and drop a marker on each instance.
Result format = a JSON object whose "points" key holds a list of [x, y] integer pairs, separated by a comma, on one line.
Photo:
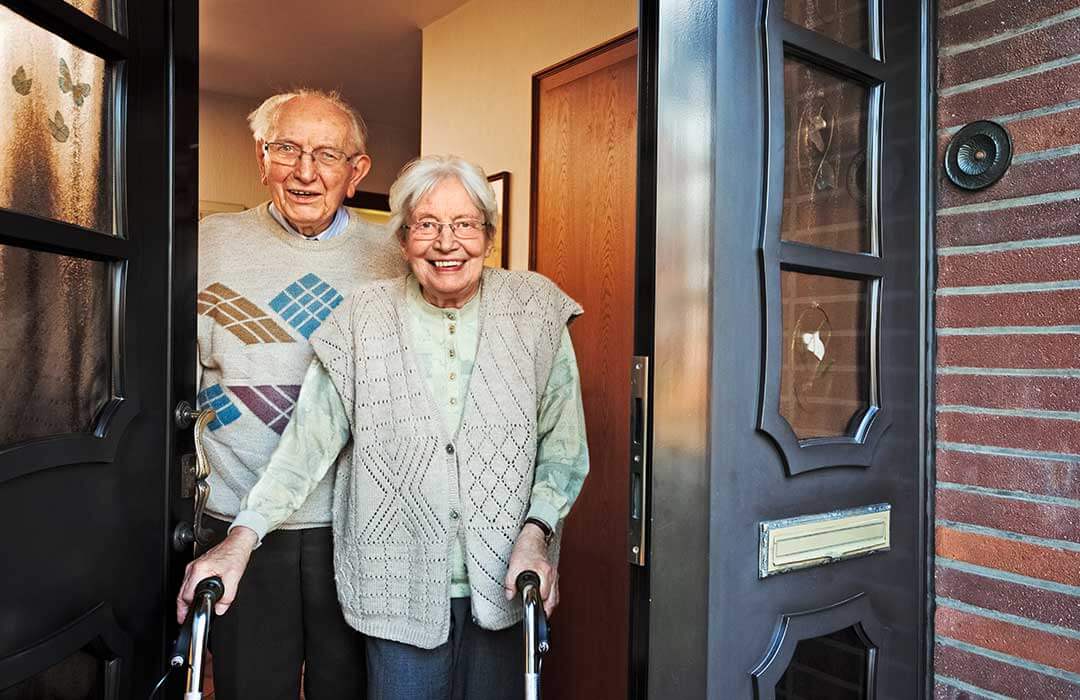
{"points": [[445, 342]]}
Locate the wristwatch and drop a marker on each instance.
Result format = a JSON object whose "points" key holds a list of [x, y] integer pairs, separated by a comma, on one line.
{"points": [[548, 532]]}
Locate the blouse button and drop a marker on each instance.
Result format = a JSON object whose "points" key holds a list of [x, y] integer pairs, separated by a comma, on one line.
{"points": [[449, 449], [454, 515], [452, 353], [453, 376], [453, 401], [451, 315], [453, 327]]}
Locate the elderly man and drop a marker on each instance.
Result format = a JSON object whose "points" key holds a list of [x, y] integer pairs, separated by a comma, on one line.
{"points": [[268, 277]]}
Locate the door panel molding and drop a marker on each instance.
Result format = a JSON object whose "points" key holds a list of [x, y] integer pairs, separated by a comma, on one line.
{"points": [[96, 632], [792, 628]]}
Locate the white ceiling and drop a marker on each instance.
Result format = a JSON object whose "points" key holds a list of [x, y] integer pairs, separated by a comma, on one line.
{"points": [[369, 50]]}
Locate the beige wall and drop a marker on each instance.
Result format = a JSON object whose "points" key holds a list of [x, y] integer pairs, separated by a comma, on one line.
{"points": [[477, 82], [227, 168]]}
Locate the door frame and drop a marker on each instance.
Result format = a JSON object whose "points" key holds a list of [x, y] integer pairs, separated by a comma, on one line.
{"points": [[694, 42]]}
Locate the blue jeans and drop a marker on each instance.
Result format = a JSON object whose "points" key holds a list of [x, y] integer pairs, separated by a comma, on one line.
{"points": [[473, 664]]}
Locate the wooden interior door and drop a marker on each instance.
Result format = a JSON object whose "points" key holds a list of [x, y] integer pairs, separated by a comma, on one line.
{"points": [[583, 237]]}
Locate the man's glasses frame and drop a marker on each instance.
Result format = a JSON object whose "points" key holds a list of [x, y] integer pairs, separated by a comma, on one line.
{"points": [[288, 153]]}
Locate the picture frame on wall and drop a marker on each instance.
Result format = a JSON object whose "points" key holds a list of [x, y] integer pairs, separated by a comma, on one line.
{"points": [[500, 253]]}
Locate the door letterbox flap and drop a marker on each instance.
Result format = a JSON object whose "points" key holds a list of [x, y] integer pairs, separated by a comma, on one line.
{"points": [[824, 538]]}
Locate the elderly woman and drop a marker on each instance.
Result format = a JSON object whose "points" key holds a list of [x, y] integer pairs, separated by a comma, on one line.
{"points": [[459, 389]]}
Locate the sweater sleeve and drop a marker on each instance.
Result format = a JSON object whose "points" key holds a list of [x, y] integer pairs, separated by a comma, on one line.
{"points": [[309, 446], [562, 454]]}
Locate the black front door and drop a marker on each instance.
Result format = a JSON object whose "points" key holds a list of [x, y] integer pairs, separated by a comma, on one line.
{"points": [[789, 548], [94, 269]]}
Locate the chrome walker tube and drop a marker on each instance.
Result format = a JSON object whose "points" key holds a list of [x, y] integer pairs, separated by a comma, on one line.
{"points": [[207, 593], [535, 628]]}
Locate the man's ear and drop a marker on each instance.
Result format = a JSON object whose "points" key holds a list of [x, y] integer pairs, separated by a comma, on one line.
{"points": [[361, 167], [260, 158]]}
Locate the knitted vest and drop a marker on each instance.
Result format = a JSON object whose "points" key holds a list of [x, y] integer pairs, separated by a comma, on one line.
{"points": [[262, 292], [411, 488]]}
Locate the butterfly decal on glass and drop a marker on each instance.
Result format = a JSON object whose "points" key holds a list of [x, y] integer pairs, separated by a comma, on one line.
{"points": [[21, 82], [78, 91], [58, 128]]}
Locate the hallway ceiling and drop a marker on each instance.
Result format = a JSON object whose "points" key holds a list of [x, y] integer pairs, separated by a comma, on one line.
{"points": [[369, 50]]}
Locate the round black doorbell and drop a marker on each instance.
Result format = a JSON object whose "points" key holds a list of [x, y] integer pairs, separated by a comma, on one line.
{"points": [[978, 155]]}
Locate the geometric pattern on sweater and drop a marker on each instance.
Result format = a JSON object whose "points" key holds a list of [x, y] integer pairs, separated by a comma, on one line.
{"points": [[225, 410], [272, 404], [411, 490], [240, 316], [306, 303]]}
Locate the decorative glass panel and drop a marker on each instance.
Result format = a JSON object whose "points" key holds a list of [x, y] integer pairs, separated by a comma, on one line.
{"points": [[825, 372], [845, 21], [78, 677], [101, 10], [830, 667], [826, 179], [55, 346], [54, 100]]}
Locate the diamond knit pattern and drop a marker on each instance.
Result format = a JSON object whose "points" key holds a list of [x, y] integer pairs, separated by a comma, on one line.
{"points": [[272, 404], [240, 316], [397, 511]]}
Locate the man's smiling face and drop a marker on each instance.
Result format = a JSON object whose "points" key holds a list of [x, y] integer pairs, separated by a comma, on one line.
{"points": [[308, 194]]}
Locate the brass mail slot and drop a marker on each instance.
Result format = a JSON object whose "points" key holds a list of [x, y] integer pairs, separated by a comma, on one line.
{"points": [[814, 540]]}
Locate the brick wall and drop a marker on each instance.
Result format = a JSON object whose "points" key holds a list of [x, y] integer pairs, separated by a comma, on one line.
{"points": [[1008, 363]]}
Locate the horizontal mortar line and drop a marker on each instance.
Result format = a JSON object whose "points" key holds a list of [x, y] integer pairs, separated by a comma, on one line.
{"points": [[1010, 494], [1048, 154], [1018, 116], [1011, 330], [1011, 372], [1008, 576], [1009, 659], [1009, 34], [969, 688], [1009, 412], [1009, 452], [1011, 203], [1008, 245], [1061, 545], [959, 9], [1014, 288], [1011, 75], [1008, 617]]}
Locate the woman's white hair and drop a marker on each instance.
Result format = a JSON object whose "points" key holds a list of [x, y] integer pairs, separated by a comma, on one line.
{"points": [[421, 175], [263, 118]]}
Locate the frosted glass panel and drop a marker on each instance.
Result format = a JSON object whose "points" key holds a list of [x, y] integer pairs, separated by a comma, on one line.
{"points": [[826, 179], [845, 21], [825, 373], [54, 102], [101, 10], [55, 348]]}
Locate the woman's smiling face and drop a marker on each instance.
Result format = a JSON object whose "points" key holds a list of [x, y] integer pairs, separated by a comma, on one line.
{"points": [[448, 267]]}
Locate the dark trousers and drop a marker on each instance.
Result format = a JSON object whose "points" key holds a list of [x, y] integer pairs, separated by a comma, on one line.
{"points": [[474, 664], [286, 614]]}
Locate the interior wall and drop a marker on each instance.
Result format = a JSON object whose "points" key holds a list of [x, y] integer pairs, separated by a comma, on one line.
{"points": [[1008, 359], [228, 172], [478, 64]]}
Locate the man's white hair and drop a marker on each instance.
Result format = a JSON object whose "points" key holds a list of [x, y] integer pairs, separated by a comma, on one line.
{"points": [[263, 118], [421, 175]]}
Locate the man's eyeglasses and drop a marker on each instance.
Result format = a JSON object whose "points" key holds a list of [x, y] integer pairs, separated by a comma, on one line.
{"points": [[286, 153], [463, 229]]}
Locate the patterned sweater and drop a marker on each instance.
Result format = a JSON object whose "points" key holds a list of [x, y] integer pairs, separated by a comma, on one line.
{"points": [[263, 293], [411, 487]]}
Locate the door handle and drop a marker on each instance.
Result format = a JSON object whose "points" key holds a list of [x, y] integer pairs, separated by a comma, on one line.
{"points": [[639, 458], [194, 473]]}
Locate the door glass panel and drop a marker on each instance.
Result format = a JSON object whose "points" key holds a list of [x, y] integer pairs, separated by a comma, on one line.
{"points": [[55, 156], [826, 178], [845, 21], [55, 345], [101, 10], [824, 374], [78, 677], [830, 667]]}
